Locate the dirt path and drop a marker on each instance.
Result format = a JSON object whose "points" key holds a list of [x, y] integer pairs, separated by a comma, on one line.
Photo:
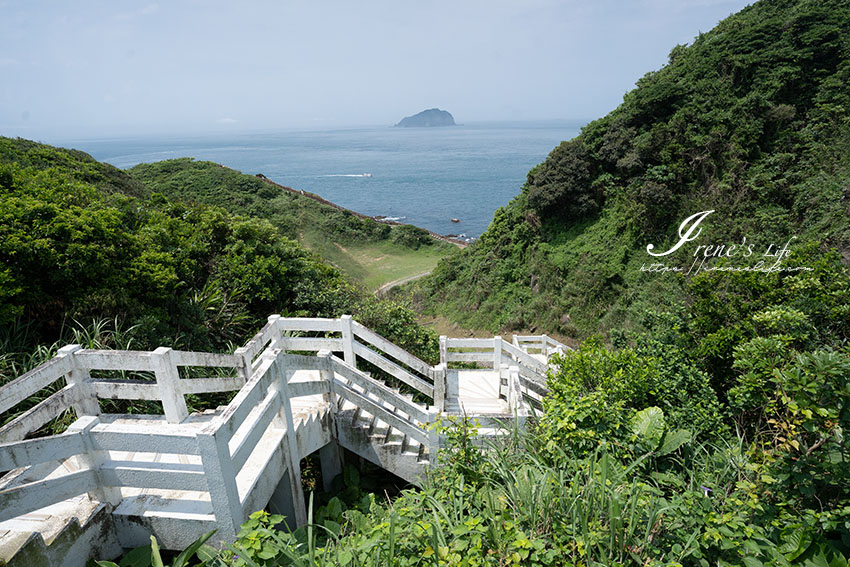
{"points": [[384, 289]]}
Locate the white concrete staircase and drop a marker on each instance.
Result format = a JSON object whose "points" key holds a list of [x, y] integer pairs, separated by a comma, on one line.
{"points": [[72, 530], [110, 481]]}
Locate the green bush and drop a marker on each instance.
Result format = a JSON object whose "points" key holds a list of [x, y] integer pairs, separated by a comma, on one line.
{"points": [[597, 390], [410, 236], [180, 274]]}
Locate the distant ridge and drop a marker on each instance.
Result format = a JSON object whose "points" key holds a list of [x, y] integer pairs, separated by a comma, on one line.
{"points": [[427, 118]]}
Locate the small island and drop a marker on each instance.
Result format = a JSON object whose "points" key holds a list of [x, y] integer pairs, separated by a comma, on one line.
{"points": [[427, 118]]}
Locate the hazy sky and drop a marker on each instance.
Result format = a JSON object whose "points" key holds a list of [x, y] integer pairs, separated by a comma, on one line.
{"points": [[82, 68]]}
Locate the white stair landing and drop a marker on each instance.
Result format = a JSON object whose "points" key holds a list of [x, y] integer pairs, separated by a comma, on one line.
{"points": [[178, 517], [477, 393]]}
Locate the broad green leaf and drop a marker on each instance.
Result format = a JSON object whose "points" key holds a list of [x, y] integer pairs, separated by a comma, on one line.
{"points": [[138, 557], [649, 424], [332, 526], [818, 559], [207, 553], [795, 544], [673, 440]]}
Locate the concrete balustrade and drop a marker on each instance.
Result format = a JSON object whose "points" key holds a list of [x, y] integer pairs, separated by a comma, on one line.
{"points": [[178, 474]]}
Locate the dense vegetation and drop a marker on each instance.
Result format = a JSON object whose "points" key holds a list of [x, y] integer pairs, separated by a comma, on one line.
{"points": [[209, 183], [706, 425], [342, 238], [648, 452], [751, 121], [81, 241]]}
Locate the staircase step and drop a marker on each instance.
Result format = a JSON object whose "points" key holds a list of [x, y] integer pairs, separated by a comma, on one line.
{"points": [[372, 423], [413, 447], [395, 437], [177, 521], [64, 533]]}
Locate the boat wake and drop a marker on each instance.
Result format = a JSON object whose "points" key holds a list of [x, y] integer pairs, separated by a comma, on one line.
{"points": [[347, 175]]}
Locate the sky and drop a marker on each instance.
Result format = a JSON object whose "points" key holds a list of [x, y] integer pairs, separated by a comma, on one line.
{"points": [[87, 69]]}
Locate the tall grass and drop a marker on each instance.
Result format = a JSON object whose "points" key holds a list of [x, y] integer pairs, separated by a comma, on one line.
{"points": [[525, 505], [18, 358]]}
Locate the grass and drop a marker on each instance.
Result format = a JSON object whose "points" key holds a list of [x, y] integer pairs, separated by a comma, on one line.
{"points": [[510, 505], [378, 263], [370, 252]]}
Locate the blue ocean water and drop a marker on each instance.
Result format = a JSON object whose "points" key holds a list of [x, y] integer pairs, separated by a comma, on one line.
{"points": [[422, 176]]}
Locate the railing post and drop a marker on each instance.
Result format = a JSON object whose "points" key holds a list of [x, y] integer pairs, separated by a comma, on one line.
{"points": [[347, 341], [544, 345], [326, 374], [277, 340], [168, 379], [452, 385], [515, 341], [79, 378], [504, 391], [438, 375], [291, 457], [513, 395], [517, 404], [244, 370], [330, 457], [221, 482], [433, 439], [444, 351], [497, 353], [92, 459]]}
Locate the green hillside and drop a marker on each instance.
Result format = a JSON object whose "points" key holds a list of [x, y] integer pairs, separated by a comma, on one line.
{"points": [[707, 427], [84, 245], [701, 422], [750, 120], [371, 252]]}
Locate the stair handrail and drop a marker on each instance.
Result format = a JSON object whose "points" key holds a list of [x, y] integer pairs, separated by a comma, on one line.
{"points": [[535, 369], [22, 499], [342, 387], [417, 412], [395, 351], [355, 340]]}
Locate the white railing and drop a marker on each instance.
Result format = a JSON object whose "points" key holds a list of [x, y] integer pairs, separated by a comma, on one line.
{"points": [[539, 344], [497, 353], [213, 455], [217, 453], [88, 440], [353, 340], [82, 392], [492, 353]]}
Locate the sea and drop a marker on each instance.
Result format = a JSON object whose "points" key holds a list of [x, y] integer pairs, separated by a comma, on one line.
{"points": [[420, 176]]}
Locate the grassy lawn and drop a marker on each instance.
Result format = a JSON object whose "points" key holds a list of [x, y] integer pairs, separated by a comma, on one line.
{"points": [[377, 264]]}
